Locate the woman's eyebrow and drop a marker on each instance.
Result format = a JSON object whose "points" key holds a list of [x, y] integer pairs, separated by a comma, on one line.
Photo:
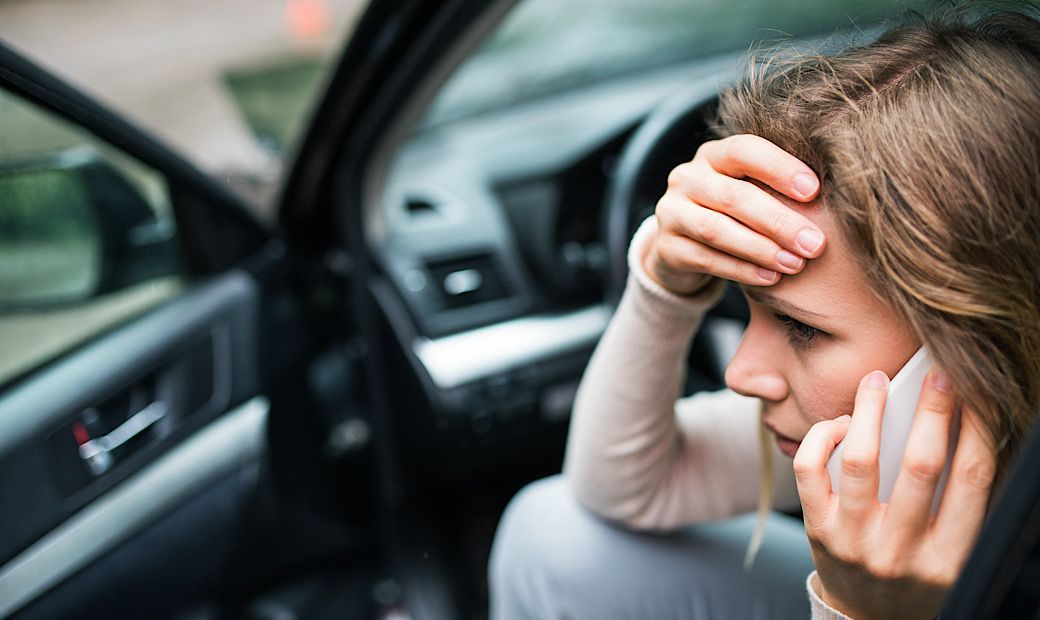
{"points": [[768, 299]]}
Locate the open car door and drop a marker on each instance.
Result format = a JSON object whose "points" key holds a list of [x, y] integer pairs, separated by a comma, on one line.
{"points": [[186, 410], [132, 415]]}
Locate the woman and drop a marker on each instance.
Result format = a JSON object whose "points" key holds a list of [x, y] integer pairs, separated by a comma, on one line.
{"points": [[868, 203]]}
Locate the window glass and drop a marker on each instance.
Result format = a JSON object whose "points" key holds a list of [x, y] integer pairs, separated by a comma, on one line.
{"points": [[87, 237], [546, 46], [228, 83]]}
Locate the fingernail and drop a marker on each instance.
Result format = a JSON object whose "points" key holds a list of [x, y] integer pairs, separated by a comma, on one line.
{"points": [[789, 260], [940, 381], [805, 183], [767, 274], [809, 240], [877, 379], [843, 418]]}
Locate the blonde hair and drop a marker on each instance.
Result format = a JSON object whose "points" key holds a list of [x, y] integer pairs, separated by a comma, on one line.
{"points": [[927, 145]]}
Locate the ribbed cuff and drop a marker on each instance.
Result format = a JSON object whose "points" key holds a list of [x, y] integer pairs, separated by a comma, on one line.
{"points": [[820, 610], [661, 299]]}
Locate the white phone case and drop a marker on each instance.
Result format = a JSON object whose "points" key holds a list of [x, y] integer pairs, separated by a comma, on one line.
{"points": [[903, 393]]}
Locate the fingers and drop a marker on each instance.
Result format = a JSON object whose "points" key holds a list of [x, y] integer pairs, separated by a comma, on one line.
{"points": [[964, 502], [727, 235], [924, 458], [758, 210], [737, 229], [678, 254], [755, 157], [810, 467], [859, 457]]}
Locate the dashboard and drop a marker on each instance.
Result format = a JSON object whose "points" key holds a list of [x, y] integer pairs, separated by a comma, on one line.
{"points": [[492, 244]]}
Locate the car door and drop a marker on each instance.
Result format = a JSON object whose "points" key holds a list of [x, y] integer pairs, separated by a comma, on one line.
{"points": [[158, 377], [131, 408]]}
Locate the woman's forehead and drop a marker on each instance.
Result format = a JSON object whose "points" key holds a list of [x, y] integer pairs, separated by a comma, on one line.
{"points": [[832, 284]]}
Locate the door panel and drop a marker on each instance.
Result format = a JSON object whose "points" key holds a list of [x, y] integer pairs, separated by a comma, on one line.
{"points": [[182, 367]]}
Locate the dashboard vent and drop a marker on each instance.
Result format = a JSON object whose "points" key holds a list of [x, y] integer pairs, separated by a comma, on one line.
{"points": [[465, 281], [419, 207]]}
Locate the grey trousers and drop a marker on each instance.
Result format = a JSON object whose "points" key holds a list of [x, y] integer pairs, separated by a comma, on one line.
{"points": [[553, 559]]}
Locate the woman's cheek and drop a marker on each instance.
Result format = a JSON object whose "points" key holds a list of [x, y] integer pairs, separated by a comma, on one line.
{"points": [[825, 394]]}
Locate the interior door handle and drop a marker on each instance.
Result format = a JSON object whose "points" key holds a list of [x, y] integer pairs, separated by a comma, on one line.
{"points": [[97, 452]]}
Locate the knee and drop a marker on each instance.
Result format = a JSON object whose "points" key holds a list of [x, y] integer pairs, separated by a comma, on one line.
{"points": [[533, 549], [528, 532]]}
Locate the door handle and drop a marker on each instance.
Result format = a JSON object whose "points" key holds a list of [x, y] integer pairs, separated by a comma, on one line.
{"points": [[97, 452]]}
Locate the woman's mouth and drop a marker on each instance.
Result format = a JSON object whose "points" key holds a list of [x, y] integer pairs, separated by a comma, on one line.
{"points": [[787, 445]]}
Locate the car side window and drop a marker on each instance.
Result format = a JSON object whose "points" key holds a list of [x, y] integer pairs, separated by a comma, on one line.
{"points": [[87, 237]]}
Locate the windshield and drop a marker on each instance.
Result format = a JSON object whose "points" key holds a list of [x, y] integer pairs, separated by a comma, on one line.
{"points": [[227, 83], [546, 46]]}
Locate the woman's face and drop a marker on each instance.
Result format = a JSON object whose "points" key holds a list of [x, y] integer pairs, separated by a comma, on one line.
{"points": [[813, 336]]}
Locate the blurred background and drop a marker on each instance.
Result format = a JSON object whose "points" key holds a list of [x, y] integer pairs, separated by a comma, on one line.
{"points": [[227, 84]]}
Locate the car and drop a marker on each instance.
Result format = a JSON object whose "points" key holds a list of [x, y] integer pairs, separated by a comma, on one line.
{"points": [[210, 410]]}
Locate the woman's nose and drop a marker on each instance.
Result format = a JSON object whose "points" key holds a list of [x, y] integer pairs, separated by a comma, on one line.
{"points": [[752, 372]]}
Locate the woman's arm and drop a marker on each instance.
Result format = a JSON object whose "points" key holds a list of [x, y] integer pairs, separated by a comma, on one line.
{"points": [[637, 455], [634, 454]]}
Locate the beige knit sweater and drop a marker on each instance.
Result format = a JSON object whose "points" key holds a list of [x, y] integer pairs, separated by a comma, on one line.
{"points": [[640, 455]]}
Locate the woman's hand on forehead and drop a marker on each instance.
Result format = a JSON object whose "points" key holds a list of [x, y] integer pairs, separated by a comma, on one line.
{"points": [[714, 220]]}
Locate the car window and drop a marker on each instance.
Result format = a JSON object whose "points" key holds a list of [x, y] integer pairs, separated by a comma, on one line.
{"points": [[228, 83], [545, 46], [87, 237]]}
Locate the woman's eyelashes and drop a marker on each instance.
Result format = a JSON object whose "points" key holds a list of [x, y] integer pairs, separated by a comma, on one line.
{"points": [[799, 334]]}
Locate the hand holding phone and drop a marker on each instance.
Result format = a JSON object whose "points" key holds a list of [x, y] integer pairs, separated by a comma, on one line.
{"points": [[900, 408]]}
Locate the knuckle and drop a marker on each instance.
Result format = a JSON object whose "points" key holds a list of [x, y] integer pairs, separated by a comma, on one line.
{"points": [[977, 474], [705, 149], [735, 144], [693, 261], [679, 254], [939, 407], [666, 249], [675, 176], [726, 194], [842, 551], [802, 467], [681, 175], [945, 576], [708, 227], [923, 469], [858, 463], [665, 212], [884, 565], [938, 574]]}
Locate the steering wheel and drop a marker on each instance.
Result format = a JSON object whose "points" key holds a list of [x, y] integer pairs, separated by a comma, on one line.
{"points": [[669, 136]]}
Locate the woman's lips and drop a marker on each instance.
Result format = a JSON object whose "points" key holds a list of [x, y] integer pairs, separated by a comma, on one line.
{"points": [[787, 445]]}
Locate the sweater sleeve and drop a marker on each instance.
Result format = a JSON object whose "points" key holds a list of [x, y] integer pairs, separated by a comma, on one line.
{"points": [[820, 610], [639, 454]]}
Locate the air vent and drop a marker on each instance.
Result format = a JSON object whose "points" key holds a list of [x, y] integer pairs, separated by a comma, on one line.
{"points": [[465, 281], [418, 207]]}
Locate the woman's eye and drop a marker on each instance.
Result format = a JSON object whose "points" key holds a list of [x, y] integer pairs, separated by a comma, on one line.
{"points": [[799, 334]]}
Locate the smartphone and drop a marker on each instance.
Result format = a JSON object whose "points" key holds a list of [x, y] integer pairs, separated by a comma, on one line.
{"points": [[900, 408]]}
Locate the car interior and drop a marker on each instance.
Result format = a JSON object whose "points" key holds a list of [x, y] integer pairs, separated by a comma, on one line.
{"points": [[324, 417]]}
